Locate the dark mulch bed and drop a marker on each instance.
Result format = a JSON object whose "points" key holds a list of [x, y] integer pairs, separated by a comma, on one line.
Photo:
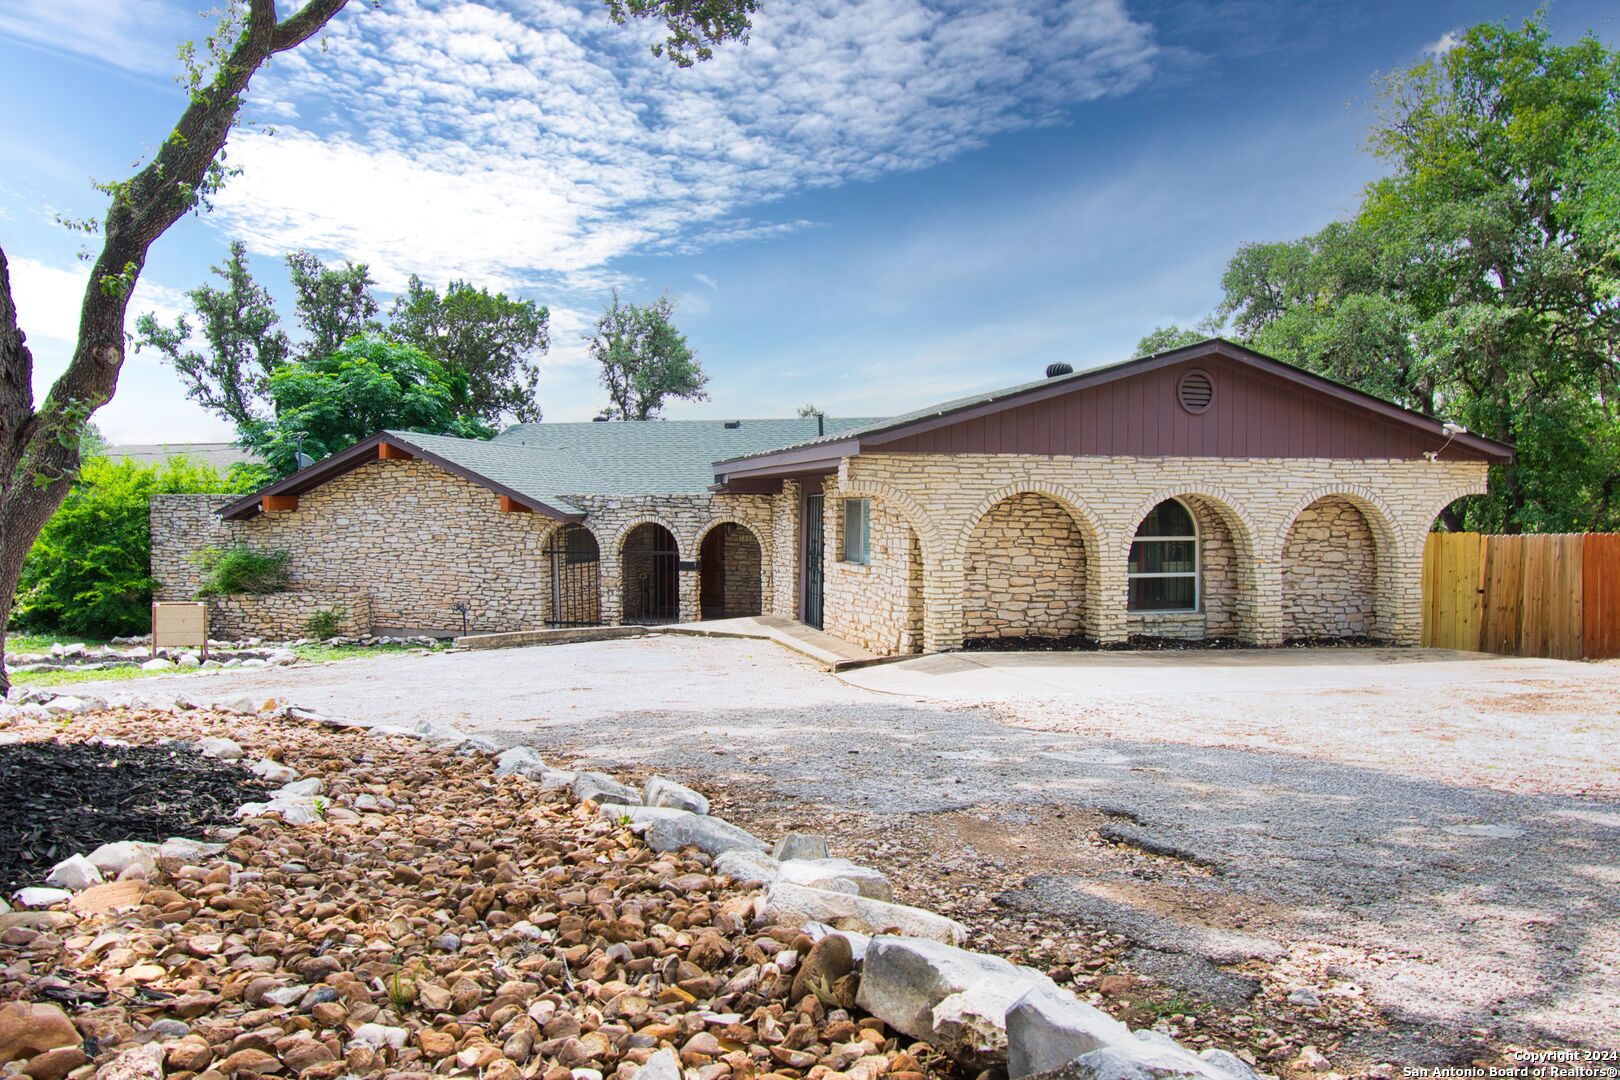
{"points": [[60, 798], [1081, 643]]}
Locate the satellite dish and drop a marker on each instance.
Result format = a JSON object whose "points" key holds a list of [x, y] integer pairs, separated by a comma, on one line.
{"points": [[304, 460]]}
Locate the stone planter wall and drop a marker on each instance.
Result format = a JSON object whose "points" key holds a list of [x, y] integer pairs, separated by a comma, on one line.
{"points": [[284, 615]]}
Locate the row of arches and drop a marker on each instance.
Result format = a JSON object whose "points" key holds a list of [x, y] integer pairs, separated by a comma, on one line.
{"points": [[1034, 565], [730, 569], [1028, 565]]}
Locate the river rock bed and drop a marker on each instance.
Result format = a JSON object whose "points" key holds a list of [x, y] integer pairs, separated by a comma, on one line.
{"points": [[434, 920]]}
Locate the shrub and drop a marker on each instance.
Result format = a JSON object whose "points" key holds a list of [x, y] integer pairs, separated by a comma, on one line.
{"points": [[326, 621], [243, 569], [89, 571]]}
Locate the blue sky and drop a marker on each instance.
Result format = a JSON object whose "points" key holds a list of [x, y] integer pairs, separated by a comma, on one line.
{"points": [[873, 205]]}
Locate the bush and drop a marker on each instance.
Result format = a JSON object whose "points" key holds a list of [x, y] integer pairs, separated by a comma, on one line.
{"points": [[243, 569], [89, 573], [326, 621]]}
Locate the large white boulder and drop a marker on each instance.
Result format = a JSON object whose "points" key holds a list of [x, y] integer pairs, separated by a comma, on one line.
{"points": [[713, 835], [113, 859], [662, 791], [602, 788], [223, 749], [949, 997], [1048, 1028], [522, 761], [795, 905], [837, 875], [74, 872]]}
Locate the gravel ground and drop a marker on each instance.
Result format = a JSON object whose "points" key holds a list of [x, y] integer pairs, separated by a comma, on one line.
{"points": [[1430, 914]]}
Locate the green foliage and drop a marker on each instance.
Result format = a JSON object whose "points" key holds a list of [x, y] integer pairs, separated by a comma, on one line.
{"points": [[694, 26], [1480, 279], [243, 569], [809, 409], [333, 402], [326, 622], [490, 342], [89, 571], [1165, 338], [333, 305], [644, 360], [245, 348]]}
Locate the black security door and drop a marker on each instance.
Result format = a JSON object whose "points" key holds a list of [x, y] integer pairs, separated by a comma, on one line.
{"points": [[813, 523]]}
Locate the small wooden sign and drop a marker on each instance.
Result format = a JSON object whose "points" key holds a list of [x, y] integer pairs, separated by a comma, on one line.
{"points": [[179, 625]]}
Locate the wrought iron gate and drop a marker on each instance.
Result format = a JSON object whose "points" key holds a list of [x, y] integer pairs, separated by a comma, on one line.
{"points": [[813, 531], [576, 577], [652, 575]]}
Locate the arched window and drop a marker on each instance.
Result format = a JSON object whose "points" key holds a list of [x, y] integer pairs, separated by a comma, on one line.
{"points": [[1163, 571]]}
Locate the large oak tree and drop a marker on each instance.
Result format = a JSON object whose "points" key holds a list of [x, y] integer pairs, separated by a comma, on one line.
{"points": [[39, 439]]}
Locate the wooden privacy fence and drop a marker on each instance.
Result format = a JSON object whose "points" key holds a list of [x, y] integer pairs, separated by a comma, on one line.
{"points": [[1545, 595]]}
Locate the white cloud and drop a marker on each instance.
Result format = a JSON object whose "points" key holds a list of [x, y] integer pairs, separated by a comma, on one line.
{"points": [[1442, 44], [137, 35], [49, 298], [534, 145], [707, 280]]}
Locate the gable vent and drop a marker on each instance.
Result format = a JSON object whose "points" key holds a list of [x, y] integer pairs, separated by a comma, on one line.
{"points": [[1195, 391]]}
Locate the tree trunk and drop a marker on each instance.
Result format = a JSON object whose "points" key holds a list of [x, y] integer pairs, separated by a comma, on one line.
{"points": [[39, 448]]}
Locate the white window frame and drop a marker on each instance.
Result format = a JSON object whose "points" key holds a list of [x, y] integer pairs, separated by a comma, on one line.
{"points": [[1197, 573], [865, 514]]}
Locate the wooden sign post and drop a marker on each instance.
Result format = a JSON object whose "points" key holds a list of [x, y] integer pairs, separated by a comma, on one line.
{"points": [[179, 625]]}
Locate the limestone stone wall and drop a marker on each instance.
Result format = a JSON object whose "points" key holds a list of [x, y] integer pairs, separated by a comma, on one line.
{"points": [[875, 605], [782, 555], [419, 541], [741, 569], [1330, 573], [943, 498], [1025, 569], [285, 615]]}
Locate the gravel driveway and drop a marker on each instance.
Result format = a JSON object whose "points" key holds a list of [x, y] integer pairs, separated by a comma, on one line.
{"points": [[1366, 829]]}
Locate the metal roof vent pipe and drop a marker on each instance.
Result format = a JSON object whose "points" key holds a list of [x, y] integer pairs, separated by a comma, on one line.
{"points": [[1059, 368]]}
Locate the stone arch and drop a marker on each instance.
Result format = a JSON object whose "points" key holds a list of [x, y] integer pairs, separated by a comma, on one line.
{"points": [[900, 611], [1025, 558], [1333, 556], [650, 586], [1230, 589], [1069, 499], [933, 547], [573, 575], [731, 581], [631, 524]]}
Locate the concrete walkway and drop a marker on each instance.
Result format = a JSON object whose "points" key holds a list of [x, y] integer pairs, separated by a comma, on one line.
{"points": [[833, 654]]}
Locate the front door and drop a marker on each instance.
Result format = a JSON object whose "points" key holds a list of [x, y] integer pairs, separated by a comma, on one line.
{"points": [[813, 523]]}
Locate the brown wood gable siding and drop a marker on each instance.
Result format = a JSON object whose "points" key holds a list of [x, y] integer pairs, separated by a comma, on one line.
{"points": [[1253, 415]]}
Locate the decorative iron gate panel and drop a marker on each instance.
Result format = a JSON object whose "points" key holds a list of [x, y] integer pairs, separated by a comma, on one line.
{"points": [[576, 578], [814, 523], [652, 575]]}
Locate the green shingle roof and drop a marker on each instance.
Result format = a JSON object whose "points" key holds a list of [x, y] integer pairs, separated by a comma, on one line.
{"points": [[551, 463]]}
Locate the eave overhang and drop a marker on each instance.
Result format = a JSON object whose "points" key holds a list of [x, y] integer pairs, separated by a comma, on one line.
{"points": [[361, 453]]}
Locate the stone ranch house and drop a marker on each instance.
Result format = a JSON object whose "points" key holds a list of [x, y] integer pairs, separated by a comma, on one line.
{"points": [[1206, 492]]}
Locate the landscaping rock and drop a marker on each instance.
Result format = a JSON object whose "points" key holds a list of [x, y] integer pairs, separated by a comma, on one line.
{"points": [[662, 791], [158, 663], [188, 851], [1048, 1028], [74, 872], [521, 761], [829, 960], [273, 771], [600, 787], [67, 706], [745, 864], [951, 998], [711, 834], [27, 1029], [798, 845], [139, 1063], [836, 875], [663, 1065], [113, 859], [795, 905], [637, 817], [37, 896], [223, 749]]}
